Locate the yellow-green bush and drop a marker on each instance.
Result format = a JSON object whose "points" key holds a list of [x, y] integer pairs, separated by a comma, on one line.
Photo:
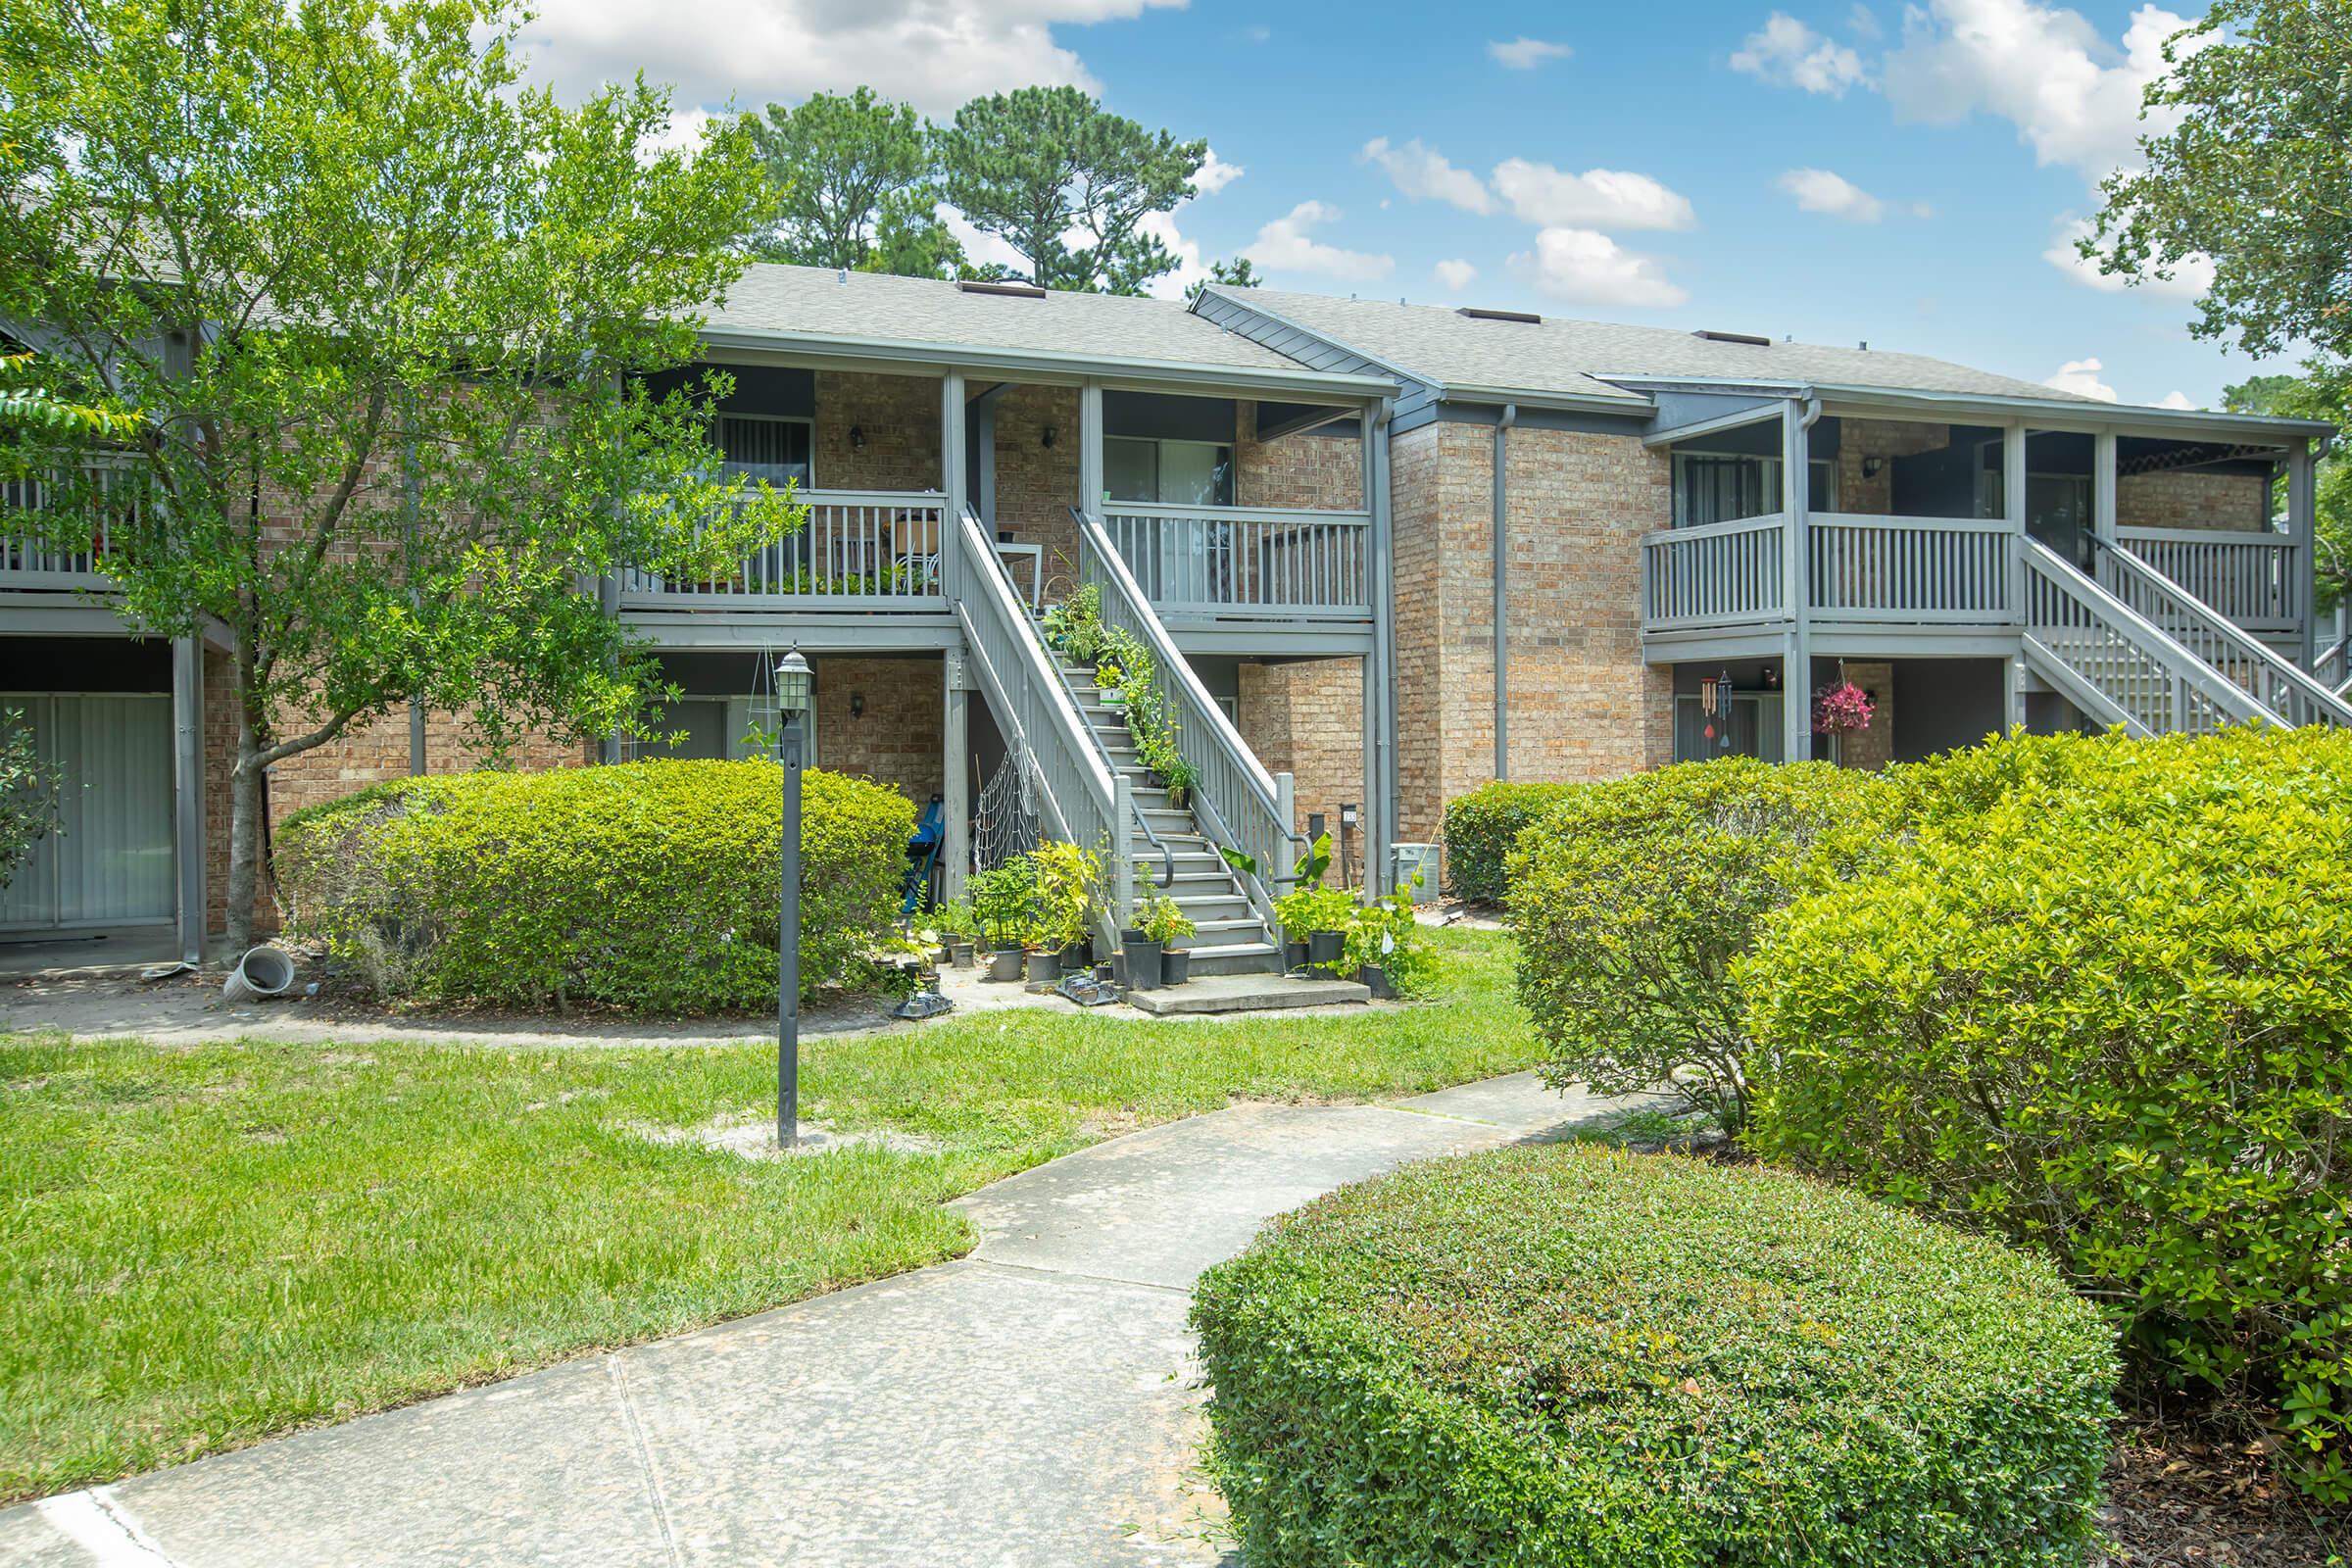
{"points": [[1577, 1358], [1633, 898], [1482, 826], [2101, 1003], [650, 886]]}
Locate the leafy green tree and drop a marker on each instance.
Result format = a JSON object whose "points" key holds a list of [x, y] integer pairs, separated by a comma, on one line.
{"points": [[852, 182], [2256, 174], [1238, 274], [382, 313], [2323, 392], [29, 787], [1038, 165]]}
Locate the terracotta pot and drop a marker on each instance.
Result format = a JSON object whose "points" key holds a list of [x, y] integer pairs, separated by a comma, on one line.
{"points": [[1143, 966], [1175, 965]]}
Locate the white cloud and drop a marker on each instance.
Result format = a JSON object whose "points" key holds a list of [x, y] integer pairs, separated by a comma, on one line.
{"points": [[1587, 268], [1422, 173], [935, 54], [1455, 274], [2081, 377], [981, 247], [1923, 210], [2192, 280], [1818, 190], [1526, 53], [2174, 399], [1597, 198], [1863, 22], [1191, 269], [1285, 243], [1216, 174], [2073, 96], [1789, 54]]}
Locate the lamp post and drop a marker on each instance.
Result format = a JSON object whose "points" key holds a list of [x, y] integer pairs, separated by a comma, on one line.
{"points": [[792, 684]]}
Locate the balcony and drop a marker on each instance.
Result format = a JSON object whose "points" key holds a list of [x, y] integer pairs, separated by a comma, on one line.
{"points": [[859, 550], [1205, 565]]}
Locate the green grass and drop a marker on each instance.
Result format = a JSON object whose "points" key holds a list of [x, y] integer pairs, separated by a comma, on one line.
{"points": [[203, 1246]]}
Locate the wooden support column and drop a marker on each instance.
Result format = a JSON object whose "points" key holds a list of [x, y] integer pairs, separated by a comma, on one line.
{"points": [[953, 482], [2302, 526], [1090, 449], [188, 792], [2102, 486], [1380, 665], [607, 598], [2013, 514], [956, 763], [1796, 679]]}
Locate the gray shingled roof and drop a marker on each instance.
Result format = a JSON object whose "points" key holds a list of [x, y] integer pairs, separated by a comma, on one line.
{"points": [[813, 301], [1437, 344]]}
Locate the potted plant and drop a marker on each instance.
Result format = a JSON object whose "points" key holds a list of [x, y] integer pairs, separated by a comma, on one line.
{"points": [[955, 927], [1141, 950], [1384, 943], [1002, 900], [1310, 911], [1165, 923], [1066, 877]]}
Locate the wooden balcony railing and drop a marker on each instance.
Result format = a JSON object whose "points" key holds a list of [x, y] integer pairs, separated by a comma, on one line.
{"points": [[2254, 579], [1716, 574], [1909, 570], [1222, 561], [859, 550], [26, 562]]}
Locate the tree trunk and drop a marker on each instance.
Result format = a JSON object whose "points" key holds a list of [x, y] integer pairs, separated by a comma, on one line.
{"points": [[244, 835]]}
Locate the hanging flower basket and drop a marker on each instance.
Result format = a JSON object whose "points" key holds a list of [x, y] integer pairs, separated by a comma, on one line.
{"points": [[1840, 709]]}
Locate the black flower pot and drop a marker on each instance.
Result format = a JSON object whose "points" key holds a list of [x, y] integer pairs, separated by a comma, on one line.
{"points": [[1005, 964], [1044, 968], [1294, 956], [959, 953], [1326, 949], [1132, 933], [1375, 979], [1118, 969], [1078, 955], [1143, 966], [1105, 972], [1175, 965]]}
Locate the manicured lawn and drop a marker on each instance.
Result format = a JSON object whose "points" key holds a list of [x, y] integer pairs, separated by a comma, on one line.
{"points": [[203, 1246]]}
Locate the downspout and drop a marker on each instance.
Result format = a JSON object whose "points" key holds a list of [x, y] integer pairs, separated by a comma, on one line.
{"points": [[1502, 627]]}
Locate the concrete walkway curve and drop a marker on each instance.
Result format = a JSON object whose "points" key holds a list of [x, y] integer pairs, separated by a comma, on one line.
{"points": [[1030, 1404]]}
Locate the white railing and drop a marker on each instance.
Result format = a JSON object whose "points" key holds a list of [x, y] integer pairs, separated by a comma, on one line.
{"points": [[2114, 663], [1237, 803], [1911, 570], [2294, 697], [2254, 579], [1716, 574], [1222, 559], [858, 550], [29, 558], [1080, 798]]}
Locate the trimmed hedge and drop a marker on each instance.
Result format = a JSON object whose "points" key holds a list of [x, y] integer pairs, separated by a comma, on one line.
{"points": [[1480, 829], [1575, 1355], [1632, 899], [650, 885], [2102, 1004]]}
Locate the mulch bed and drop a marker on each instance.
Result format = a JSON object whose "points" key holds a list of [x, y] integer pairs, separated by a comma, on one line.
{"points": [[2178, 1499]]}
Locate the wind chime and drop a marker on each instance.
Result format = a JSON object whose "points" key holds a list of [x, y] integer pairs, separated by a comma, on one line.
{"points": [[1715, 706]]}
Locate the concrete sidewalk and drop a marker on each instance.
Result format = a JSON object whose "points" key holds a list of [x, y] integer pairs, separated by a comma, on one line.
{"points": [[1032, 1403]]}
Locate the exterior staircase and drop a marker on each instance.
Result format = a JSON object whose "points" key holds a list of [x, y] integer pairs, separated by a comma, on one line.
{"points": [[1172, 855]]}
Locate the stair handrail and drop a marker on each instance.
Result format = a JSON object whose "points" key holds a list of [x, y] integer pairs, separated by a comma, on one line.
{"points": [[1238, 803], [2300, 690], [1051, 733], [1167, 854], [2147, 638]]}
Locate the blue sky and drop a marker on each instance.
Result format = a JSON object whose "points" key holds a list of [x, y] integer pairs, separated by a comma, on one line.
{"points": [[1835, 171]]}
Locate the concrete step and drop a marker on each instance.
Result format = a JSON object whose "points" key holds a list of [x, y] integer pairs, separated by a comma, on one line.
{"points": [[1224, 935], [1238, 958], [1242, 992], [1206, 900]]}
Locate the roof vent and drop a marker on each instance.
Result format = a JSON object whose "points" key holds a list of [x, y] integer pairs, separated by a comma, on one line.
{"points": [[1022, 291], [1477, 314], [1733, 338]]}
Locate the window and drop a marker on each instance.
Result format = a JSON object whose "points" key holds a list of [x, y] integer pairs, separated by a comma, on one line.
{"points": [[1752, 728], [1190, 473], [1723, 487], [767, 446]]}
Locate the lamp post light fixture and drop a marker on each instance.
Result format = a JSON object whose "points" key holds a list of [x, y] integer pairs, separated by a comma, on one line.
{"points": [[793, 689]]}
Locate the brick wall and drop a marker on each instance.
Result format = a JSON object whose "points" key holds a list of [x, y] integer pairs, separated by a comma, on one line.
{"points": [[898, 418], [1417, 522], [1873, 748], [2193, 500], [1038, 484], [1307, 719], [897, 739], [1312, 469], [1860, 440]]}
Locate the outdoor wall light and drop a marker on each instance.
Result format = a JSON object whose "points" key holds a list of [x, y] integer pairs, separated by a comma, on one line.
{"points": [[1047, 437], [856, 704], [858, 436], [1872, 467]]}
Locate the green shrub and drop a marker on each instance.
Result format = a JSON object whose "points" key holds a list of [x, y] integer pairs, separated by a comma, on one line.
{"points": [[650, 886], [1575, 1355], [2102, 1005], [1633, 898], [1480, 829]]}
